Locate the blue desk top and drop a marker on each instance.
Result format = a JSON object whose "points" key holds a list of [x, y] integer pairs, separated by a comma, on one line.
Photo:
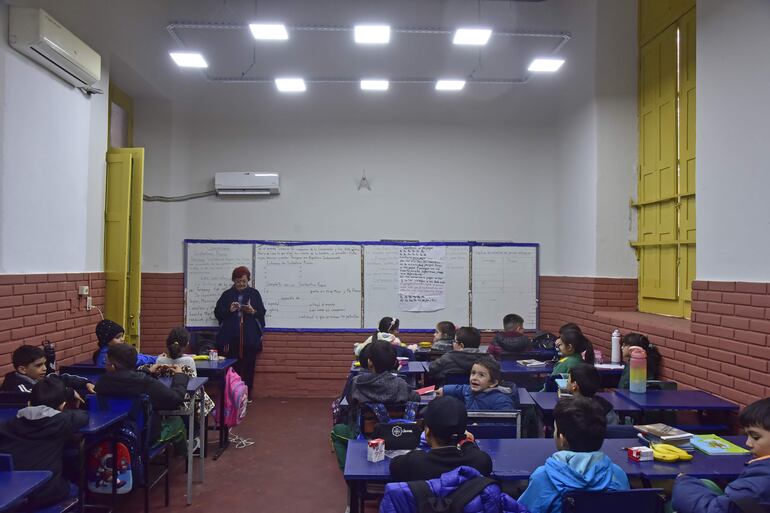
{"points": [[411, 367], [207, 368], [97, 420], [525, 398], [193, 384], [17, 484], [516, 459], [513, 367], [203, 367], [547, 401], [678, 400]]}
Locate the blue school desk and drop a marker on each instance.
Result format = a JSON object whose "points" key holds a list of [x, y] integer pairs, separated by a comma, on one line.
{"points": [[16, 485], [547, 401], [678, 400], [195, 391], [411, 367]]}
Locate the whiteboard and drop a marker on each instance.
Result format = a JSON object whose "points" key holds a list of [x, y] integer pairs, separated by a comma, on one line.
{"points": [[309, 286], [209, 269], [504, 280], [381, 283]]}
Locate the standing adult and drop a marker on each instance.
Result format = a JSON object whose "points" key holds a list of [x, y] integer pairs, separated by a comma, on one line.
{"points": [[241, 316]]}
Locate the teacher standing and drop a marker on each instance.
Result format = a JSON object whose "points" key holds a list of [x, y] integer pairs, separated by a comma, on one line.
{"points": [[241, 317]]}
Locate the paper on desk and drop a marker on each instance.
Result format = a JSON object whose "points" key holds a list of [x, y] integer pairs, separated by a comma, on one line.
{"points": [[609, 366]]}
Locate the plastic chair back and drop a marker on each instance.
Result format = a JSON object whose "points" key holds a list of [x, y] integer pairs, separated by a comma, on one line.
{"points": [[642, 500], [495, 424], [6, 462], [621, 431], [14, 399], [138, 409]]}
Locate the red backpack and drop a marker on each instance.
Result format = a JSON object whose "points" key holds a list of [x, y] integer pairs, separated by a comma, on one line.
{"points": [[236, 399]]}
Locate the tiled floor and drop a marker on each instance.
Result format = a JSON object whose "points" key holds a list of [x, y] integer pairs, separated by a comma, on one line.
{"points": [[289, 469]]}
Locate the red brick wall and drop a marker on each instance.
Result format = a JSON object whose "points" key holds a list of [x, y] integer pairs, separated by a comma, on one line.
{"points": [[724, 350], [35, 307]]}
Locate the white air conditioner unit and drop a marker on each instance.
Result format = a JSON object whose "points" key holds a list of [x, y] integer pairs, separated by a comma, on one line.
{"points": [[245, 183], [41, 38]]}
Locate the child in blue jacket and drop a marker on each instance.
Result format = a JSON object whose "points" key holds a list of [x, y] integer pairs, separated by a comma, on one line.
{"points": [[579, 464], [483, 393], [751, 488]]}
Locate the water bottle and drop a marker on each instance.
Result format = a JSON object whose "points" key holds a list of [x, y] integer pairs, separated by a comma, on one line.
{"points": [[638, 381], [616, 346]]}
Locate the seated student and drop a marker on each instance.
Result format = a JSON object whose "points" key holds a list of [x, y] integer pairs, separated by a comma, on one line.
{"points": [[483, 393], [580, 426], [464, 353], [123, 380], [444, 336], [36, 437], [30, 365], [571, 344], [445, 422], [512, 339], [176, 344], [380, 385], [653, 357], [109, 333], [584, 381], [750, 488], [387, 330]]}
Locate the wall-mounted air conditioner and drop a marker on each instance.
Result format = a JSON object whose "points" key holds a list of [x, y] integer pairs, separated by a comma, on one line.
{"points": [[41, 38], [246, 183]]}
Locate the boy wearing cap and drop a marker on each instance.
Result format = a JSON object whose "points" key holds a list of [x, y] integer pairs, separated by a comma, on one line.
{"points": [[578, 464], [445, 423], [108, 333]]}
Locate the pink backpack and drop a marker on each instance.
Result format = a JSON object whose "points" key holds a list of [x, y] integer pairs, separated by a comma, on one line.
{"points": [[236, 399]]}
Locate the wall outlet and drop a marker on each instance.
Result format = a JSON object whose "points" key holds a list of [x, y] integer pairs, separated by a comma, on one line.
{"points": [[89, 302], [83, 290]]}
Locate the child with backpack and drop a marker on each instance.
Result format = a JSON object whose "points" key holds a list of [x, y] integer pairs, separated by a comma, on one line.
{"points": [[483, 392], [578, 464]]}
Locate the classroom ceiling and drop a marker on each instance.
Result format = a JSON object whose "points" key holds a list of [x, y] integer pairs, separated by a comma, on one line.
{"points": [[135, 38]]}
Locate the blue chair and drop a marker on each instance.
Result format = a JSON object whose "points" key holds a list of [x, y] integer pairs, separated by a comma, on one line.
{"points": [[495, 424], [6, 462], [139, 411], [621, 431], [642, 500], [14, 399]]}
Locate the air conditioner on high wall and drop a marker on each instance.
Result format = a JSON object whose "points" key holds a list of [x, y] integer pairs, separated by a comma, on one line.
{"points": [[246, 183], [41, 38]]}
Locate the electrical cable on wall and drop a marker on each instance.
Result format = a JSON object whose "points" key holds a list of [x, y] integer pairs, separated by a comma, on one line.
{"points": [[170, 199]]}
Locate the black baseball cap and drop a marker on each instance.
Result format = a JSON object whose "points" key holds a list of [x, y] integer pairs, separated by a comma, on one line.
{"points": [[446, 416]]}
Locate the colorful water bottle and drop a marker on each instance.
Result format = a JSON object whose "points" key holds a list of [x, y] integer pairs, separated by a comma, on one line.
{"points": [[615, 346], [638, 381]]}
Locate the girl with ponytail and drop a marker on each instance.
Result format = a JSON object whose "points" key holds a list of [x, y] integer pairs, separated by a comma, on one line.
{"points": [[572, 344], [176, 344]]}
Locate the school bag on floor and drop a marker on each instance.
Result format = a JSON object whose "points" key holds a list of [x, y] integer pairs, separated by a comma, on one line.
{"points": [[236, 400], [100, 464]]}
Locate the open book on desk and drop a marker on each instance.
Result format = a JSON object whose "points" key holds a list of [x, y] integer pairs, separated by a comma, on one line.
{"points": [[530, 363]]}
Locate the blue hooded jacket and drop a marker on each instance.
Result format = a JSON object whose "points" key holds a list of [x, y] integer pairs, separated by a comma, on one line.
{"points": [[691, 495], [496, 398], [141, 358], [399, 499], [567, 471]]}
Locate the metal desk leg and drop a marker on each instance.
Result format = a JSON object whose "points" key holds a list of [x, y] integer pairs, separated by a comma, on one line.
{"points": [[202, 430], [190, 443], [354, 499]]}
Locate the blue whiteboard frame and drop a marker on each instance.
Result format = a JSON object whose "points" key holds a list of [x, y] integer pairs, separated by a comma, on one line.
{"points": [[469, 244]]}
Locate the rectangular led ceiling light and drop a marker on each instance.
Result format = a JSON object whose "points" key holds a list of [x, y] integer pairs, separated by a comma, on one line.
{"points": [[372, 34], [472, 36], [450, 85], [290, 85], [375, 85], [546, 65], [269, 31], [189, 60]]}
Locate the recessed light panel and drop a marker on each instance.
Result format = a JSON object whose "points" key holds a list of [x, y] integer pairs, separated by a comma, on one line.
{"points": [[189, 60], [374, 85], [290, 85], [546, 65], [269, 31], [372, 34], [472, 36], [450, 85]]}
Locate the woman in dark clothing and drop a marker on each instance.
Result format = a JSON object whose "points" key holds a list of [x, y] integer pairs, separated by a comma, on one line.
{"points": [[241, 317]]}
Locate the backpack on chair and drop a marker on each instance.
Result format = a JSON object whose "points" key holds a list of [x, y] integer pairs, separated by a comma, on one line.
{"points": [[236, 399]]}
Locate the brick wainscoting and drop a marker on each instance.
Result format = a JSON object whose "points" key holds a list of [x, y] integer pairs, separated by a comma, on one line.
{"points": [[36, 307], [724, 349]]}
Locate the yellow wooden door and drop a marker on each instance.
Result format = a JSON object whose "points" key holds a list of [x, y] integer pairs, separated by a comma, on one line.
{"points": [[123, 238], [666, 176]]}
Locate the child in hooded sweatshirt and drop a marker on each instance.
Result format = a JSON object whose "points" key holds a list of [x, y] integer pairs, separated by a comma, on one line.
{"points": [[460, 360], [584, 381], [512, 339], [578, 465], [29, 365], [37, 436], [483, 392], [750, 489], [109, 333]]}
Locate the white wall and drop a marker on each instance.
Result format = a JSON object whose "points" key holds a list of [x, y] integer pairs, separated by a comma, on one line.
{"points": [[52, 169], [733, 168], [428, 182]]}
